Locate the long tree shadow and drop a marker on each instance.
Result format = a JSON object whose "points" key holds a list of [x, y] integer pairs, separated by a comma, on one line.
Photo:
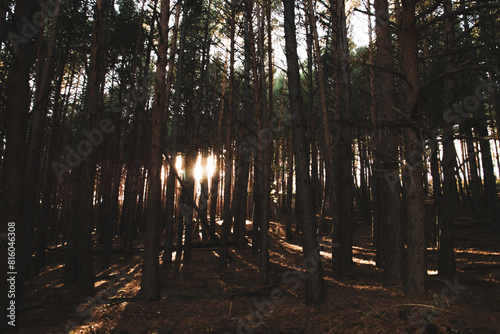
{"points": [[200, 297]]}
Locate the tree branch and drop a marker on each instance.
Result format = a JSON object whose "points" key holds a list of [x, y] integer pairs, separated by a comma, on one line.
{"points": [[458, 70], [457, 12], [386, 69]]}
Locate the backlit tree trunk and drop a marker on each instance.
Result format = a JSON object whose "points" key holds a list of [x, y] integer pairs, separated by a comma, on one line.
{"points": [[446, 254], [228, 159]]}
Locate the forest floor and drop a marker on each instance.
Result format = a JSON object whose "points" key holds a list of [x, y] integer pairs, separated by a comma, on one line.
{"points": [[199, 297]]}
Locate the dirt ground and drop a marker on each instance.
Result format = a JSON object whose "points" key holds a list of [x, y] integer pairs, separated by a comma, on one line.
{"points": [[199, 297]]}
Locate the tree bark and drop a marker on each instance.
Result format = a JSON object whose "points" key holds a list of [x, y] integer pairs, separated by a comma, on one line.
{"points": [[386, 168], [14, 160], [171, 182], [150, 283], [35, 147], [446, 254], [314, 280], [343, 179], [228, 158], [415, 274]]}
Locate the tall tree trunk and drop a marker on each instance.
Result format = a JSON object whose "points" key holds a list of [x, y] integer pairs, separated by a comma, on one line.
{"points": [[436, 189], [228, 159], [289, 188], [244, 154], [310, 99], [187, 201], [35, 147], [14, 159], [386, 153], [475, 181], [343, 179], [257, 165], [337, 234], [150, 284], [49, 183], [415, 275], [489, 178], [203, 202], [446, 254], [175, 120], [116, 163], [171, 182], [263, 157], [314, 280]]}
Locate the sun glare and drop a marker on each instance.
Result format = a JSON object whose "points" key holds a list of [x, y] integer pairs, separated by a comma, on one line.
{"points": [[163, 173], [211, 165], [198, 169], [178, 164]]}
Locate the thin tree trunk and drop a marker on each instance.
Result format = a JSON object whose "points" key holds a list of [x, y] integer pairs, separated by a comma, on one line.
{"points": [[446, 254], [257, 165], [228, 159], [244, 155], [337, 234], [289, 188], [92, 112], [187, 202], [475, 181], [171, 182], [263, 157], [48, 185]]}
